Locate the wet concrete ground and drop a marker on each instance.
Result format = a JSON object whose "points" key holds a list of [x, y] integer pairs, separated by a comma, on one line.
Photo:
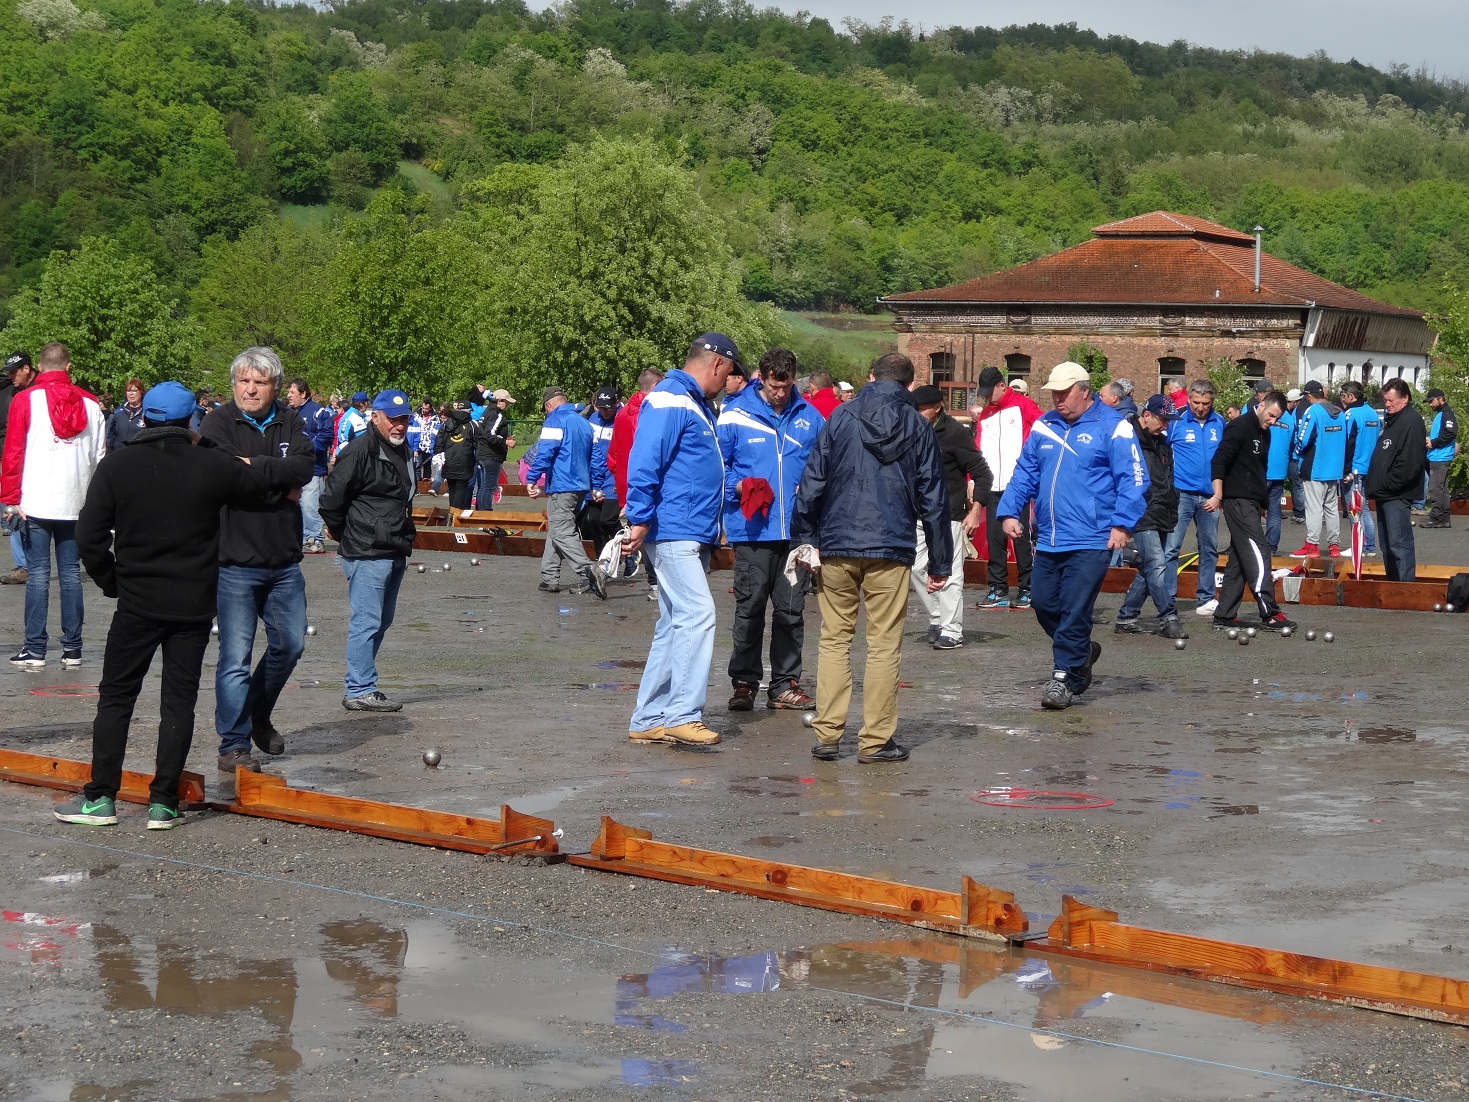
{"points": [[1295, 794]]}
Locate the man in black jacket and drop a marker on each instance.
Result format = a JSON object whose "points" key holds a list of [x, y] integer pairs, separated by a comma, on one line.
{"points": [[1241, 489], [259, 559], [148, 535], [368, 509], [19, 374], [1395, 479], [962, 462], [872, 478], [1152, 532], [496, 438]]}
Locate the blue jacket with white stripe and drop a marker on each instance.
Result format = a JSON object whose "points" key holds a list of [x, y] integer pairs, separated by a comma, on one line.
{"points": [[601, 438], [1321, 443], [1364, 426], [1085, 478], [675, 473], [757, 442], [563, 453]]}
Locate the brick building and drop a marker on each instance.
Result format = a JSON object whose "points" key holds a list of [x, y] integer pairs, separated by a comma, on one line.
{"points": [[1160, 294]]}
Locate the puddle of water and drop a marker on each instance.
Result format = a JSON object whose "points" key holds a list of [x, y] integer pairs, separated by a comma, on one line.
{"points": [[609, 686], [1386, 734], [538, 803], [622, 664]]}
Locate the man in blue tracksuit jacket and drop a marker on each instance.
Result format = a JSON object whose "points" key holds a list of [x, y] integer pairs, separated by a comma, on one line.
{"points": [[1442, 436], [1277, 471], [1320, 446], [564, 456], [318, 422], [675, 491], [1194, 438], [1364, 426], [765, 434], [1082, 467]]}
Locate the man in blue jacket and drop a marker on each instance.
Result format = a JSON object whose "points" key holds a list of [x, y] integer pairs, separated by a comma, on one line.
{"points": [[1082, 467], [318, 422], [675, 487], [765, 434], [1277, 471], [1194, 438], [1364, 426], [564, 457], [1320, 445], [600, 516], [1442, 434], [872, 478]]}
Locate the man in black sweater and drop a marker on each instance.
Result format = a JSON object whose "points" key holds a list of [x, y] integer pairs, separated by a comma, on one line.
{"points": [[1395, 479], [962, 462], [148, 535], [1152, 532], [259, 559], [1238, 473]]}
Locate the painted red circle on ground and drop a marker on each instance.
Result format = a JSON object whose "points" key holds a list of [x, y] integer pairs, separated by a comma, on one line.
{"points": [[1038, 800], [65, 690]]}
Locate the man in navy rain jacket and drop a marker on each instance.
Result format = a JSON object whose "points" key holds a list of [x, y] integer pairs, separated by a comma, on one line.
{"points": [[564, 456], [1083, 469], [765, 434], [675, 489]]}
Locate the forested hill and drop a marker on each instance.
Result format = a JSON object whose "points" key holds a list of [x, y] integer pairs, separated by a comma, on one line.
{"points": [[195, 147]]}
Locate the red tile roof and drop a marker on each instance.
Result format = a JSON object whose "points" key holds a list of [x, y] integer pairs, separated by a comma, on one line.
{"points": [[1158, 259]]}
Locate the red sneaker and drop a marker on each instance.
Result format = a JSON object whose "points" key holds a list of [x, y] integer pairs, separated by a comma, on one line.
{"points": [[1307, 551], [1334, 550]]}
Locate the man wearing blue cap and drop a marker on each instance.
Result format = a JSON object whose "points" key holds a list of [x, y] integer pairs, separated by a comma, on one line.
{"points": [[675, 492], [368, 510], [354, 421], [158, 554]]}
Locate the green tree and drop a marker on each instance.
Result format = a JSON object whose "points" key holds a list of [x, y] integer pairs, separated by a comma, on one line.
{"points": [[105, 305], [1231, 387], [611, 264], [356, 119], [298, 152], [1093, 359]]}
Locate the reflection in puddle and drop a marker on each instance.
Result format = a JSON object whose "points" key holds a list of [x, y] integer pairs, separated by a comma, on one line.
{"points": [[1386, 734]]}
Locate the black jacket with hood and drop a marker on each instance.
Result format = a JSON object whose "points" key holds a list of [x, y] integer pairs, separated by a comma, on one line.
{"points": [[367, 503], [873, 476], [458, 440], [962, 462], [494, 428], [1161, 515], [1395, 472]]}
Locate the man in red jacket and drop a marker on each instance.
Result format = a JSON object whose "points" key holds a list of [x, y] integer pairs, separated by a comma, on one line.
{"points": [[624, 427], [1001, 430], [820, 394]]}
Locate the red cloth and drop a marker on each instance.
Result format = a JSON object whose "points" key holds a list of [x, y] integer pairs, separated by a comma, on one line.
{"points": [[756, 496], [624, 427], [825, 400], [1180, 397]]}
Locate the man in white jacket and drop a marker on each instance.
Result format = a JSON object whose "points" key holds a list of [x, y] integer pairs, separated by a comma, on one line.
{"points": [[55, 440]]}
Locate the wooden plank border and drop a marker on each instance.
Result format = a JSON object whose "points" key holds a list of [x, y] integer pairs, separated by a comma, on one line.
{"points": [[72, 776]]}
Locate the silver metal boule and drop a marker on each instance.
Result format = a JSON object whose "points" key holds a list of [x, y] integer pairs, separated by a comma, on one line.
{"points": [[1252, 632], [1179, 644], [421, 568], [1448, 608], [1310, 635], [808, 719], [310, 629], [1232, 634], [213, 629], [431, 758], [473, 562], [448, 566], [1328, 638], [1286, 633], [1244, 640], [1438, 608]]}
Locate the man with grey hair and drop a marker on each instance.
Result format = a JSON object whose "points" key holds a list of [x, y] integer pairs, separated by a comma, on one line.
{"points": [[1195, 437], [259, 558], [1118, 395]]}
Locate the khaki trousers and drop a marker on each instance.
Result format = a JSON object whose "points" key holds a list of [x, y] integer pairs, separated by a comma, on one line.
{"points": [[882, 585]]}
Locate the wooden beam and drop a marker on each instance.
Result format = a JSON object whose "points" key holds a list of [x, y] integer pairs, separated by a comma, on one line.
{"points": [[270, 797], [72, 776], [992, 908]]}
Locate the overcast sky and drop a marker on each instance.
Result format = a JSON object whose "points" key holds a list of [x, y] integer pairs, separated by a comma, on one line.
{"points": [[1412, 32]]}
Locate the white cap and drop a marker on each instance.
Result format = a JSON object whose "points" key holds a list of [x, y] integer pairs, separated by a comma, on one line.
{"points": [[844, 385], [1066, 375], [1293, 395]]}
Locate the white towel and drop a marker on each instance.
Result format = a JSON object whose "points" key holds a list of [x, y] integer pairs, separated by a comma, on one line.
{"points": [[804, 556]]}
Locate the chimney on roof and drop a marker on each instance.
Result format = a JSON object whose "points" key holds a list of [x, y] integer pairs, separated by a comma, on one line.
{"points": [[1259, 230]]}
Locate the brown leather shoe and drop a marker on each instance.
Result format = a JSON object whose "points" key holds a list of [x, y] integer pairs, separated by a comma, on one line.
{"points": [[793, 697], [18, 576], [691, 734], [744, 696]]}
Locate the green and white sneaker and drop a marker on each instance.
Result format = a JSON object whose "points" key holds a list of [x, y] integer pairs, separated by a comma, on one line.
{"points": [[161, 817], [95, 813]]}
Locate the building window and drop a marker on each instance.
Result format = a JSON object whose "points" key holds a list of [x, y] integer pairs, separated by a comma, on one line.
{"points": [[1017, 366], [1170, 368], [941, 368], [1254, 369]]}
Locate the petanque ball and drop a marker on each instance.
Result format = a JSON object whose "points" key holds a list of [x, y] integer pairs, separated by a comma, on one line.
{"points": [[448, 566], [1448, 608], [1179, 644], [1232, 634], [310, 629], [808, 719], [473, 562], [1252, 632], [1286, 633], [1438, 608], [213, 629], [422, 568], [1244, 640], [1329, 637], [1311, 635], [431, 758]]}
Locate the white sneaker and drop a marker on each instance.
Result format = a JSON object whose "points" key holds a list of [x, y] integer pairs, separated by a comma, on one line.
{"points": [[1207, 608]]}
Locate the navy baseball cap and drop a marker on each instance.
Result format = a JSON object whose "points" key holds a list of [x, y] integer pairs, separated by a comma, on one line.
{"points": [[17, 360], [1159, 406], [721, 345], [393, 402], [168, 402], [360, 396]]}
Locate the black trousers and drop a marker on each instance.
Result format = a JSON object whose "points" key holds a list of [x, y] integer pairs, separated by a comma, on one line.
{"points": [[999, 572], [599, 521], [459, 497], [131, 642], [759, 579], [1249, 561]]}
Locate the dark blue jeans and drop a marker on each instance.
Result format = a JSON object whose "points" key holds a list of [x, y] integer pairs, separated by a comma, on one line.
{"points": [[41, 534], [1395, 540], [1152, 580], [248, 594], [1206, 527], [1063, 591], [1272, 515]]}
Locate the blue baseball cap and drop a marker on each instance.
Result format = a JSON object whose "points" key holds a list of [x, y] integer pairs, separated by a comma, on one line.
{"points": [[169, 402], [721, 345], [360, 396], [1160, 406], [392, 402]]}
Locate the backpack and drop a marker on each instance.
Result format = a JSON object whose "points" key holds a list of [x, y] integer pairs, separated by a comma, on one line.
{"points": [[1458, 594]]}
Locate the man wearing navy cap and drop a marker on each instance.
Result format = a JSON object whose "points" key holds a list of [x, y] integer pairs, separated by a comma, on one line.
{"points": [[675, 491], [353, 422], [1152, 532], [158, 554], [368, 509]]}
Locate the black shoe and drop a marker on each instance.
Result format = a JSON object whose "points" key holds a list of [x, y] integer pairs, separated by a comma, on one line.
{"points": [[826, 751], [268, 740], [948, 642], [1278, 622], [235, 759], [1056, 696], [545, 587], [889, 751], [1172, 628], [743, 699], [71, 659], [1134, 626], [1221, 624], [1093, 653], [1436, 524], [370, 702], [933, 634]]}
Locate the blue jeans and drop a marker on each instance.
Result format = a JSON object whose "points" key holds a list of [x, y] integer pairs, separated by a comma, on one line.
{"points": [[311, 525], [17, 548], [1152, 580], [372, 594], [244, 701], [1395, 526], [1276, 491], [676, 677], [1191, 509], [1063, 591], [42, 534], [1369, 526]]}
